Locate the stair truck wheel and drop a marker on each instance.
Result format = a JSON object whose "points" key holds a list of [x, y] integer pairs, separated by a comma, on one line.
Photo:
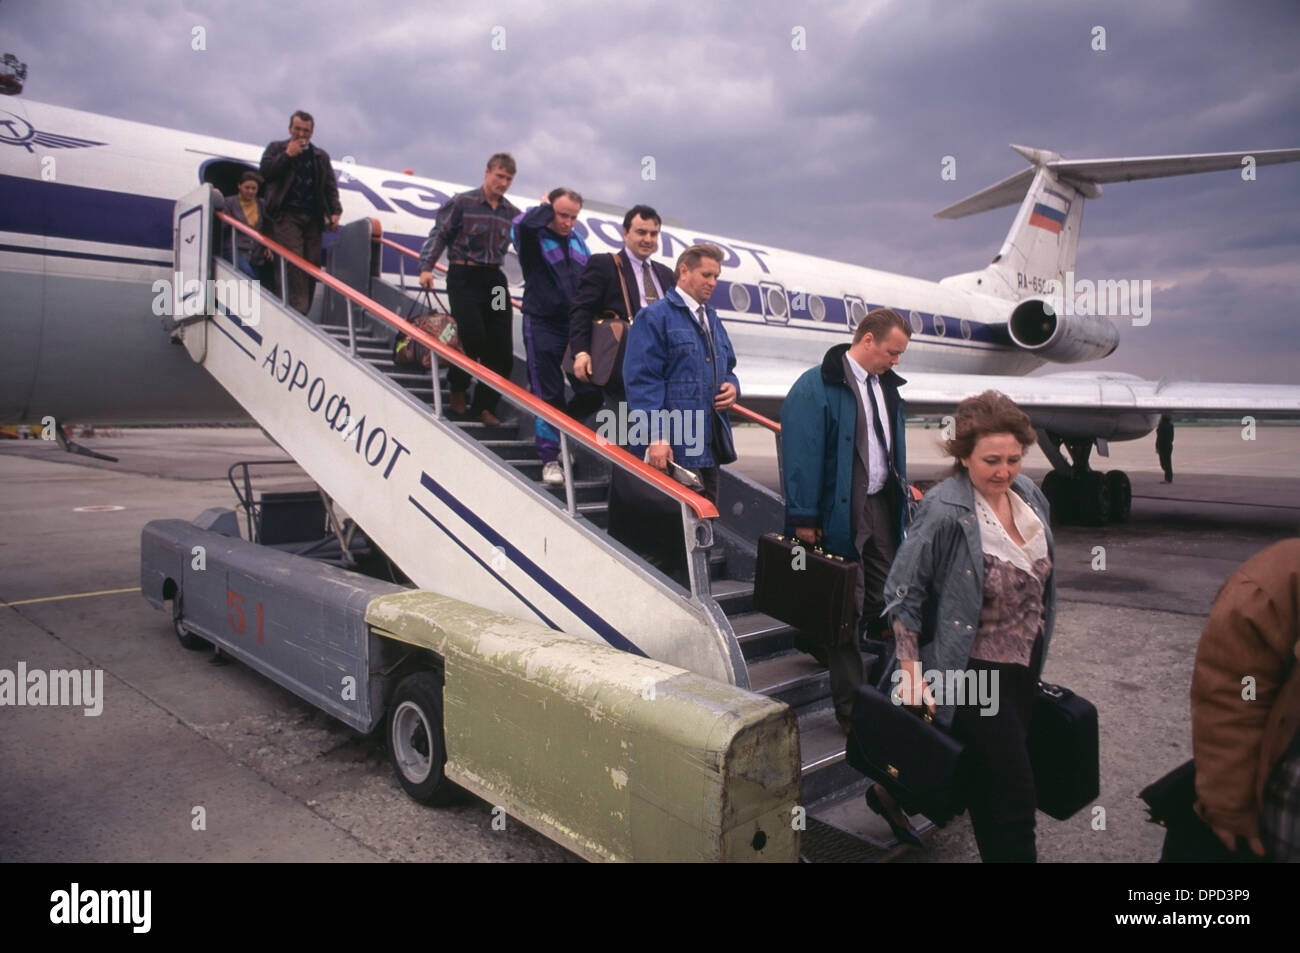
{"points": [[415, 740], [187, 639]]}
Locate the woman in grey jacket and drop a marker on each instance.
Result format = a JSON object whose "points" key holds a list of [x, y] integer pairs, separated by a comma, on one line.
{"points": [[972, 603]]}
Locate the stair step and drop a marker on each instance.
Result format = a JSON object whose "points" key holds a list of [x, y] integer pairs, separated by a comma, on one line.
{"points": [[760, 635], [734, 596], [793, 677], [511, 449], [825, 771]]}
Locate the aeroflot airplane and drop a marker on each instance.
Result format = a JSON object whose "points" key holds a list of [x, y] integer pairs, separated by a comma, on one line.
{"points": [[86, 229]]}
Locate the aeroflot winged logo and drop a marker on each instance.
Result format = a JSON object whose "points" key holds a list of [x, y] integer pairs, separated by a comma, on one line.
{"points": [[16, 131]]}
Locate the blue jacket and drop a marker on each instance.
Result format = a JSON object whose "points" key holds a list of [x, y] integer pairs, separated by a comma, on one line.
{"points": [[667, 367], [552, 265], [818, 422], [936, 585]]}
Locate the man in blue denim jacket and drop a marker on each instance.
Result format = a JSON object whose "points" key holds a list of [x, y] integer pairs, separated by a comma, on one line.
{"points": [[679, 371]]}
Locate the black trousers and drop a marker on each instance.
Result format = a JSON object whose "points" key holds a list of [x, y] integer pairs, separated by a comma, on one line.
{"points": [[485, 330], [998, 778], [1167, 463]]}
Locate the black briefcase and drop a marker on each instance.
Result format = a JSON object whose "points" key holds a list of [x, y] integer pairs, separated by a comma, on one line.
{"points": [[1063, 751], [811, 590], [913, 758]]}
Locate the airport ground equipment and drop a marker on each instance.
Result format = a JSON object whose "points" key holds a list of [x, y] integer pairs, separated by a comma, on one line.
{"points": [[460, 508]]}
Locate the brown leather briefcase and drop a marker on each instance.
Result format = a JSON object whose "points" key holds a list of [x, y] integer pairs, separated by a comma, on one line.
{"points": [[806, 588]]}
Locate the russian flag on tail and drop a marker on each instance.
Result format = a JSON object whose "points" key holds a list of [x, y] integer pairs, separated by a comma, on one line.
{"points": [[1046, 215]]}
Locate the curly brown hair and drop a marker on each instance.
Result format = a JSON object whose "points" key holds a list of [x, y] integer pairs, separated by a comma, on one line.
{"points": [[987, 413]]}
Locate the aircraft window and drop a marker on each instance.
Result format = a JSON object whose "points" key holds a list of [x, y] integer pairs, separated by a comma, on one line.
{"points": [[940, 326], [776, 302], [965, 329], [739, 297], [854, 310], [917, 324], [817, 307]]}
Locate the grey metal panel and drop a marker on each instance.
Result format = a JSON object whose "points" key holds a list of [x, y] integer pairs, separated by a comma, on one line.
{"points": [[299, 622]]}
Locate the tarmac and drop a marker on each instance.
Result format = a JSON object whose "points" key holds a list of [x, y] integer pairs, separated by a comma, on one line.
{"points": [[194, 762]]}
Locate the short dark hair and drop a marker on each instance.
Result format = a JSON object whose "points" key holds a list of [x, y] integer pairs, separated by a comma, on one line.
{"points": [[502, 160], [987, 413], [640, 211], [304, 116], [562, 192], [691, 257], [878, 321], [251, 175]]}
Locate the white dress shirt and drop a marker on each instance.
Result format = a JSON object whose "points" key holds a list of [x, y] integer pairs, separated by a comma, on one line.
{"points": [[639, 272], [877, 456]]}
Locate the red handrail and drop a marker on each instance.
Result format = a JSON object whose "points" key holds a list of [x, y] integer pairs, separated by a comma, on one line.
{"points": [[745, 412], [561, 421]]}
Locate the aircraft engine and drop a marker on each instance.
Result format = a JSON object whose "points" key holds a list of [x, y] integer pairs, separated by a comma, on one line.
{"points": [[1063, 338]]}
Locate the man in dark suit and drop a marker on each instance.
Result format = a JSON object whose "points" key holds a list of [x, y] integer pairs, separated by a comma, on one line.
{"points": [[599, 289], [843, 467], [302, 199]]}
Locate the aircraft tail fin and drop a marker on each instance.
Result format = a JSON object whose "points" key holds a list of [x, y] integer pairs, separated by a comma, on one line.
{"points": [[1044, 237]]}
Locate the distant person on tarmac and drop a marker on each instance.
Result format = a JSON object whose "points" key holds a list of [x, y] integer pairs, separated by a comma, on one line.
{"points": [[302, 200], [474, 229], [552, 255], [1165, 446]]}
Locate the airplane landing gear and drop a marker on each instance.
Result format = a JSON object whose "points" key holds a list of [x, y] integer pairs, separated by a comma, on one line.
{"points": [[1080, 494]]}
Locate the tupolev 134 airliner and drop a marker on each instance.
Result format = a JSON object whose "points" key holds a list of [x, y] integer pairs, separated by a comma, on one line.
{"points": [[86, 231]]}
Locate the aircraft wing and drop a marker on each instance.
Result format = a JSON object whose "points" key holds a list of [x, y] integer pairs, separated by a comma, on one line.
{"points": [[765, 380]]}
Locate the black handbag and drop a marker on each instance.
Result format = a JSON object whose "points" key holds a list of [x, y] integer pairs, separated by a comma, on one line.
{"points": [[1188, 839], [906, 751], [1063, 751], [608, 341], [809, 589]]}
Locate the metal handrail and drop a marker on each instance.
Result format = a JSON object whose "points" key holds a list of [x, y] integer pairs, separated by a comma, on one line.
{"points": [[745, 412], [565, 424]]}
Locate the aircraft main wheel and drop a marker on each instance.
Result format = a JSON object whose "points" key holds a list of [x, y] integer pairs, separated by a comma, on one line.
{"points": [[187, 639], [1121, 495], [1058, 489], [1093, 500], [415, 740]]}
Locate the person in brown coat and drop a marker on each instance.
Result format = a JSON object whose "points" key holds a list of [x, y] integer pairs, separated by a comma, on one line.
{"points": [[1246, 706]]}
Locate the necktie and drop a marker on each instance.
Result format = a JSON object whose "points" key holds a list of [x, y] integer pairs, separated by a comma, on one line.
{"points": [[651, 295], [708, 335], [875, 419]]}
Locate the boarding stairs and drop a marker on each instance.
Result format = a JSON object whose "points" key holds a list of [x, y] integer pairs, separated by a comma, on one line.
{"points": [[461, 509]]}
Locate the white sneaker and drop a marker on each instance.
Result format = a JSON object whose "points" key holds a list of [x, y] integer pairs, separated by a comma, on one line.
{"points": [[552, 472]]}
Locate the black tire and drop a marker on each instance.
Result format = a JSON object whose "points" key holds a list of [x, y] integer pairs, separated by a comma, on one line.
{"points": [[1059, 490], [1121, 495], [187, 639], [415, 741], [1093, 499]]}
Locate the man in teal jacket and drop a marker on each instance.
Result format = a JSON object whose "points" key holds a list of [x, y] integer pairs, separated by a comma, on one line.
{"points": [[844, 471]]}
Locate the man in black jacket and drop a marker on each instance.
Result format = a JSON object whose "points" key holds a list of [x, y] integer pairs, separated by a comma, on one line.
{"points": [[599, 289], [302, 199]]}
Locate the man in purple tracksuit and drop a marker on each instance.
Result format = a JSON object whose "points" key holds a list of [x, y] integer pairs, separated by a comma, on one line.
{"points": [[552, 255]]}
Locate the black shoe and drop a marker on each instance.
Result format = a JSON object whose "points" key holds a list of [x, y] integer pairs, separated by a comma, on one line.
{"points": [[900, 826]]}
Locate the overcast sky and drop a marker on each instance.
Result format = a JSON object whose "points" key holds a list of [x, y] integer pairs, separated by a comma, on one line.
{"points": [[833, 150]]}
